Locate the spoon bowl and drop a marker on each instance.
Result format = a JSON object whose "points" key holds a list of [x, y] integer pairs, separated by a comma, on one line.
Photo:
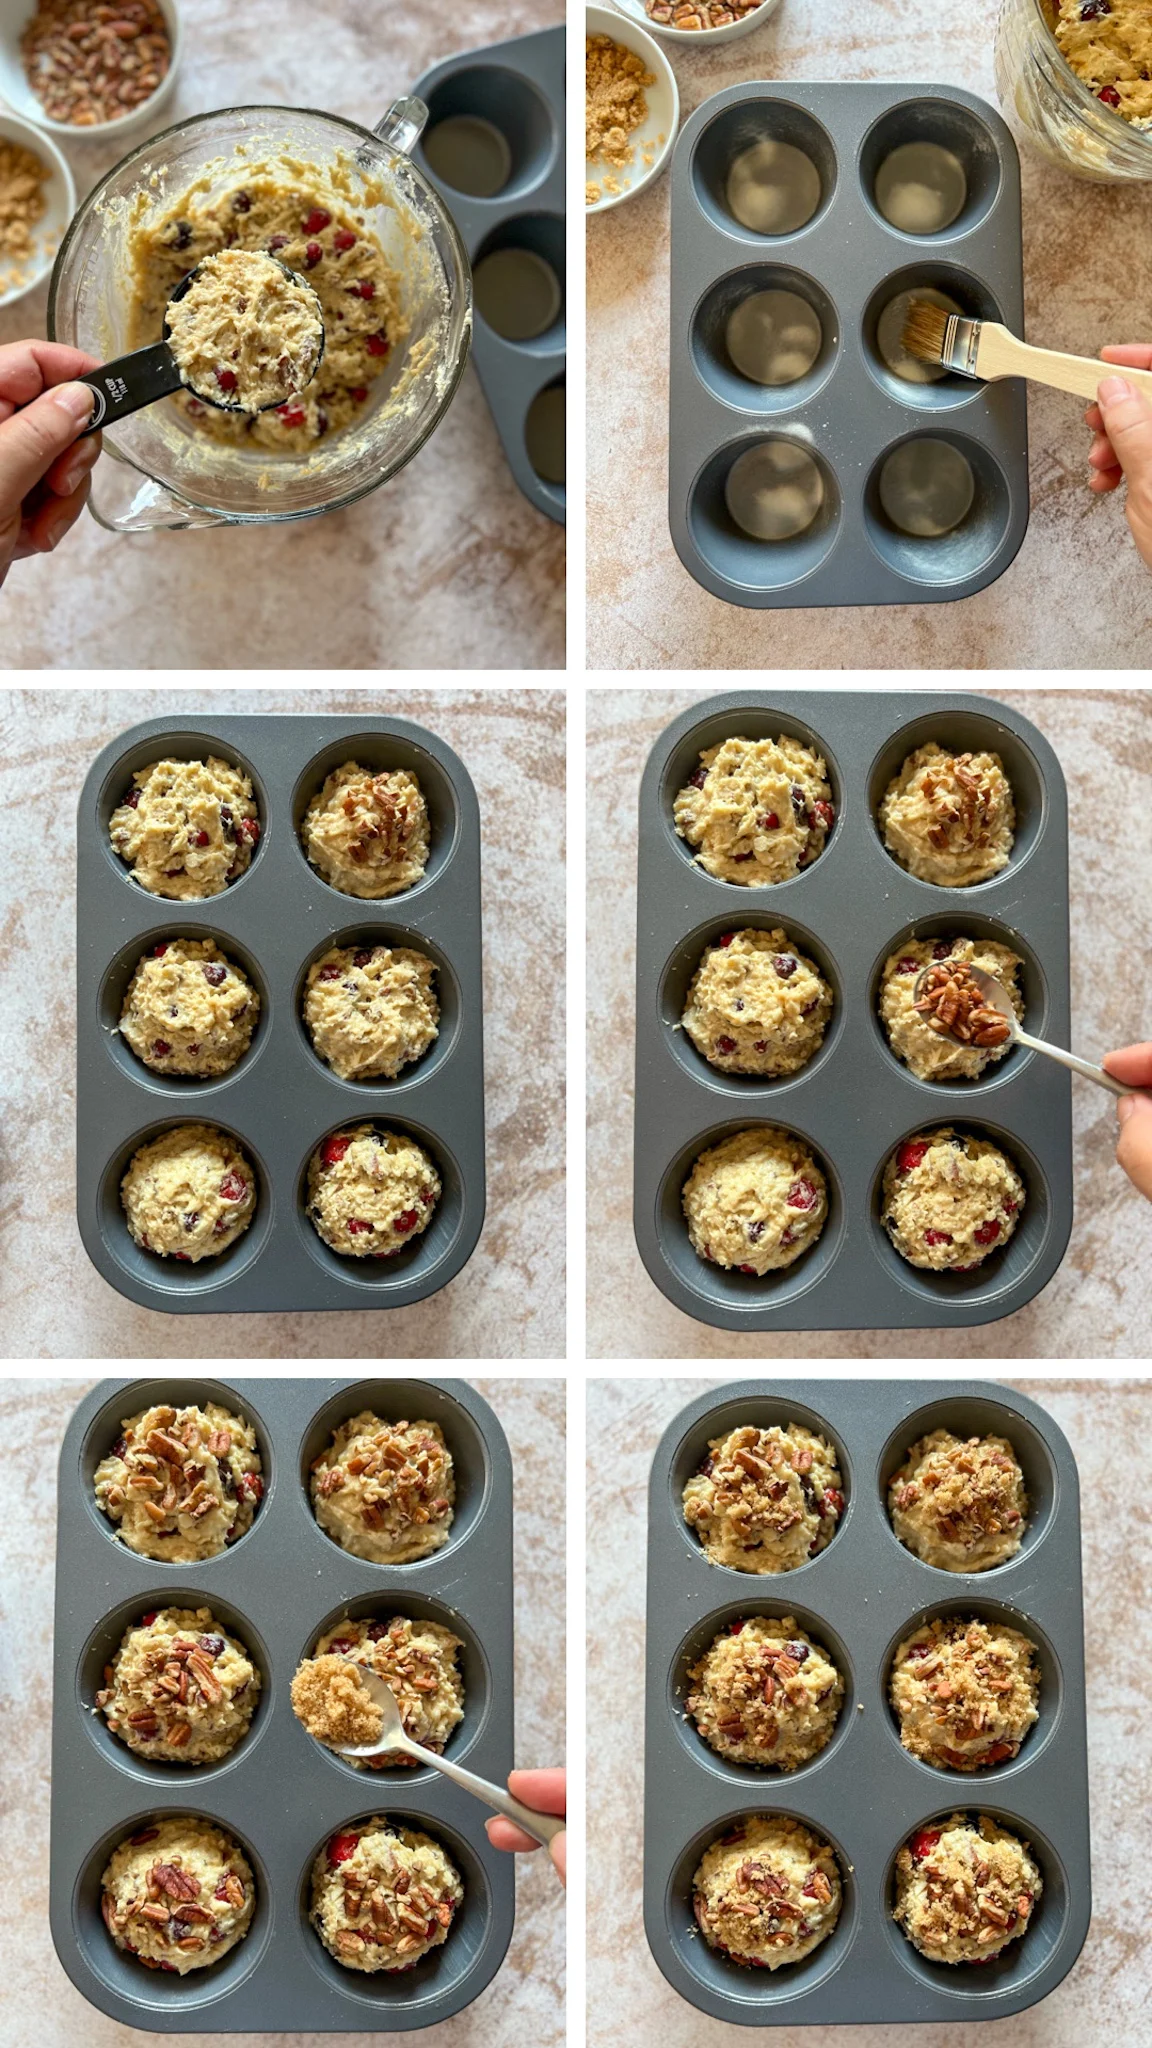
{"points": [[996, 997]]}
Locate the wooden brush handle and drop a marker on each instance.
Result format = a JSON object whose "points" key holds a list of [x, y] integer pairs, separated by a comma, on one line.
{"points": [[1000, 354]]}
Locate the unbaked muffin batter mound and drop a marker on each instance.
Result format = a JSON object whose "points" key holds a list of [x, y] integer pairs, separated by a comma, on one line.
{"points": [[366, 832], [765, 1693], [179, 1689], [247, 333], [964, 1890], [371, 1193], [765, 1500], [189, 1010], [756, 1005], [186, 829], [415, 1658], [959, 1505], [756, 811], [936, 1055], [181, 1484], [755, 1201], [385, 1490], [1108, 44], [371, 1010], [189, 1194], [276, 211], [950, 1201], [383, 1895], [767, 1893], [198, 1875], [965, 1692], [949, 818]]}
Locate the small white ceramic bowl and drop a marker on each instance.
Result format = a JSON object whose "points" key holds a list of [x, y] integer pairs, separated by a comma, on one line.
{"points": [[663, 111], [60, 204], [16, 91], [635, 11]]}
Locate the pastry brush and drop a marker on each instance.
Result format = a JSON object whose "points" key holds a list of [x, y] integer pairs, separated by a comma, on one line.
{"points": [[986, 350]]}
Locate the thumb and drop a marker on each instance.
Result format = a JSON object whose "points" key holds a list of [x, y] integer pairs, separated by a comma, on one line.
{"points": [[32, 439], [1134, 1148], [1127, 420]]}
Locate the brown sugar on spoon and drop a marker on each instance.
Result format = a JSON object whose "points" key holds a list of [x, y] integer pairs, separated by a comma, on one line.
{"points": [[951, 1002]]}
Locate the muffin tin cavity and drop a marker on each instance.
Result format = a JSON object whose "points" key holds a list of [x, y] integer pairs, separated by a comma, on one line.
{"points": [[786, 187], [864, 1793], [699, 1641], [854, 1101], [471, 1663], [936, 507], [764, 337], [281, 1099], [277, 1591], [493, 148]]}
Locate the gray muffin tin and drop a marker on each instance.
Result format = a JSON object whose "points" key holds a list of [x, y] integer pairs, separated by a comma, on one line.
{"points": [[280, 1100], [280, 1793], [516, 87], [850, 410], [854, 1101], [864, 1793]]}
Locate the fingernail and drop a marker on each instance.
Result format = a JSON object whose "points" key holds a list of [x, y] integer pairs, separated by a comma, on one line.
{"points": [[78, 469], [56, 533], [76, 400], [1126, 1107], [1113, 389]]}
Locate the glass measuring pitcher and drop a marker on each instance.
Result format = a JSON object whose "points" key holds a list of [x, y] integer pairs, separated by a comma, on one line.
{"points": [[165, 473]]}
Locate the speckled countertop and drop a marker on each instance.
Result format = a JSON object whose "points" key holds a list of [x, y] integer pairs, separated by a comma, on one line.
{"points": [[1076, 597], [509, 1300], [1099, 1304], [448, 567], [1107, 1995], [523, 2006]]}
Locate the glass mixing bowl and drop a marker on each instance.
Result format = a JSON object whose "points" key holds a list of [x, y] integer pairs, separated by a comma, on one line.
{"points": [[167, 474], [1056, 111]]}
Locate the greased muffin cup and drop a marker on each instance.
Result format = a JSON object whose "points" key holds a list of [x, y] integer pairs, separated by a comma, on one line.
{"points": [[281, 1101], [854, 1101], [277, 1589], [863, 1793]]}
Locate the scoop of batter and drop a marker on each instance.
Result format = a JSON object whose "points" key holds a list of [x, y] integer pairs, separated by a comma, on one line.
{"points": [[765, 1693], [385, 1490], [949, 818], [367, 834], [178, 1894], [757, 1006], [768, 1892], [1108, 44], [181, 1484], [383, 1895], [186, 828], [949, 1201], [188, 1009], [959, 1505], [247, 333], [371, 1010], [964, 1890], [934, 1055], [189, 1194], [415, 1658], [965, 1692], [371, 1193], [755, 1201], [765, 1500], [756, 811], [179, 1690]]}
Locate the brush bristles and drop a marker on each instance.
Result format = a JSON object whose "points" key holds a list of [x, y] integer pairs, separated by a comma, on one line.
{"points": [[925, 332]]}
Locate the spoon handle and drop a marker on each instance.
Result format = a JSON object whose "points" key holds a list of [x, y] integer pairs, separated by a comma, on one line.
{"points": [[542, 1826], [1078, 1066], [129, 383]]}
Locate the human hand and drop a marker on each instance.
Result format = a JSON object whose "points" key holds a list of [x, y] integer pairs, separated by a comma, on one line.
{"points": [[1133, 1064], [44, 477], [547, 1792], [1121, 425]]}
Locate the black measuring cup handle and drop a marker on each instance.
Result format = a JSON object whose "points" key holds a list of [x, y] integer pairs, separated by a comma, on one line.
{"points": [[129, 383]]}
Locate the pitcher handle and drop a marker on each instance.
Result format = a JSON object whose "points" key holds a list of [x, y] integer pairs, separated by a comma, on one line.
{"points": [[124, 500], [403, 125]]}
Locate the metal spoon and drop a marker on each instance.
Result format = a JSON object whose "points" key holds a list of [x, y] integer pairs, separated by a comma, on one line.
{"points": [[542, 1826], [139, 379], [997, 998]]}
